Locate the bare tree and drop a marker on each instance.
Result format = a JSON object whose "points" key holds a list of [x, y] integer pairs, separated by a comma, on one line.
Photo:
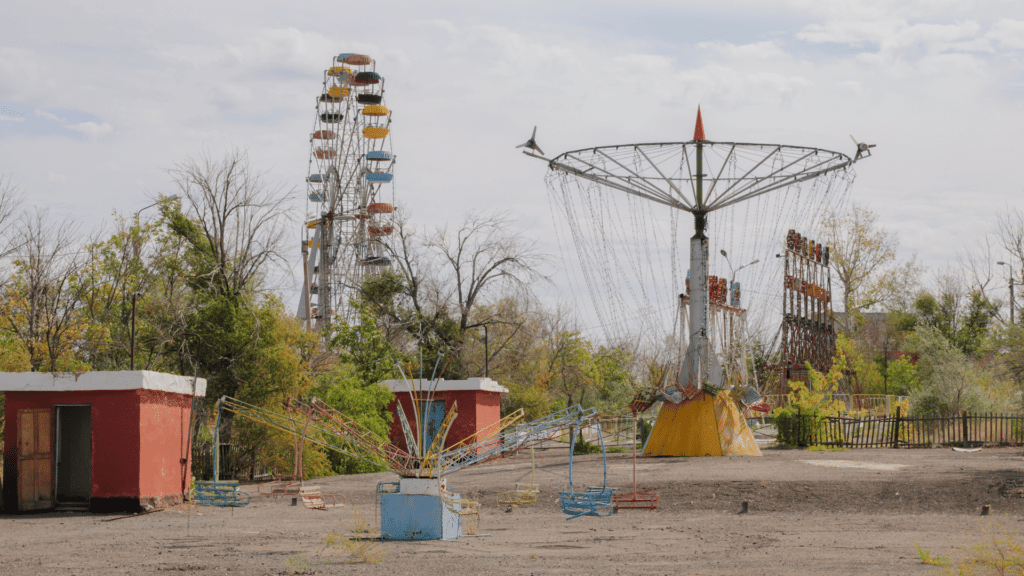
{"points": [[863, 258], [445, 276], [10, 202], [41, 302], [978, 266], [1010, 236], [484, 256], [237, 220]]}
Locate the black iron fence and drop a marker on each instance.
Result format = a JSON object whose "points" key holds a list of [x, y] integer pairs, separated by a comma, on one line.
{"points": [[234, 463], [964, 429]]}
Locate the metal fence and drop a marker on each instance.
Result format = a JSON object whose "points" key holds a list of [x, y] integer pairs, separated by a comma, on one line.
{"points": [[875, 404], [234, 463], [963, 429]]}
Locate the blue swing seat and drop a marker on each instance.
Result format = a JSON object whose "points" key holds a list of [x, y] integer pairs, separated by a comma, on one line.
{"points": [[595, 500], [222, 493]]}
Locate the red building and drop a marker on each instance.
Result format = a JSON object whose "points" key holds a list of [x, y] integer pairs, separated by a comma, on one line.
{"points": [[112, 441], [479, 406]]}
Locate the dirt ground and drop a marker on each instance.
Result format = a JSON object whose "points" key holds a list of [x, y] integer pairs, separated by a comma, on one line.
{"points": [[852, 512]]}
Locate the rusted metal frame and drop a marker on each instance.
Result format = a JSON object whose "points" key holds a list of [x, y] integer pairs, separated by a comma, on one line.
{"points": [[637, 499], [511, 441], [280, 422], [393, 455], [490, 430]]}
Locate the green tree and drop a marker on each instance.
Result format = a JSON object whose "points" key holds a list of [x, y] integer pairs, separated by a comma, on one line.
{"points": [[902, 376], [964, 325], [365, 348], [950, 381], [344, 390]]}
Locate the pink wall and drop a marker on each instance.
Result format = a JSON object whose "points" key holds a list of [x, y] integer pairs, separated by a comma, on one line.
{"points": [[163, 425]]}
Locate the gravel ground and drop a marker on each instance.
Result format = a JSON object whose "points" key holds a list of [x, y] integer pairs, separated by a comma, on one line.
{"points": [[848, 512]]}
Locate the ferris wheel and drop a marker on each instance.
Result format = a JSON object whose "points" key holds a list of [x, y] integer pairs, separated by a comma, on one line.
{"points": [[350, 190]]}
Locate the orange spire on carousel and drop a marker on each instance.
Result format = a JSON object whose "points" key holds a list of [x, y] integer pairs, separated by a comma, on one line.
{"points": [[698, 130]]}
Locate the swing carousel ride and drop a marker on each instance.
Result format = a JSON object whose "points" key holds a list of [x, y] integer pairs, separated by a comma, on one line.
{"points": [[621, 207], [351, 172]]}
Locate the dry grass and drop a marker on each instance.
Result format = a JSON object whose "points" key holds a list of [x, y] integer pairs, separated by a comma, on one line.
{"points": [[999, 553], [361, 545]]}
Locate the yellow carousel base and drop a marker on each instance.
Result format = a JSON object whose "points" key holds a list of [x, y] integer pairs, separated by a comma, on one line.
{"points": [[705, 426]]}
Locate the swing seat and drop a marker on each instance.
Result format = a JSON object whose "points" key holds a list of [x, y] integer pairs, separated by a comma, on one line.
{"points": [[314, 500], [593, 502], [222, 493], [596, 500], [645, 498], [523, 494], [279, 488]]}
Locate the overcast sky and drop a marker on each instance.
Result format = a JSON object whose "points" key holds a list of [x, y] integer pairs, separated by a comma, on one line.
{"points": [[98, 99]]}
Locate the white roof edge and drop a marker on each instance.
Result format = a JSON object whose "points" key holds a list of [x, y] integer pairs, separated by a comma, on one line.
{"points": [[442, 385], [87, 381]]}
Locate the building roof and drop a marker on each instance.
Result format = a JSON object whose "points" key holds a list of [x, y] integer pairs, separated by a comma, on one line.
{"points": [[442, 385], [88, 381]]}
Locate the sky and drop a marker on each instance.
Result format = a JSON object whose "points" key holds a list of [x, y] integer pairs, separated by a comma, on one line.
{"points": [[98, 100]]}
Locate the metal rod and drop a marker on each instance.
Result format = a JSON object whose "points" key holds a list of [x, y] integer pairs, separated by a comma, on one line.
{"points": [[305, 283], [132, 353]]}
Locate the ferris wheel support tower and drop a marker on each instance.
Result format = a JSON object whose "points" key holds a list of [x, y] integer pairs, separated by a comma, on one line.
{"points": [[698, 176]]}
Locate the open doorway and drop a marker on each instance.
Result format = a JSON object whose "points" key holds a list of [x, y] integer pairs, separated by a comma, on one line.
{"points": [[74, 454]]}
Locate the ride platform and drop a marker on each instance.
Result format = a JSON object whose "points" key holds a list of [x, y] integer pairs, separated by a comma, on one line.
{"points": [[703, 426]]}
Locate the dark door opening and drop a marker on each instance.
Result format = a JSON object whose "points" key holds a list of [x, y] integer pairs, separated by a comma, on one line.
{"points": [[74, 454]]}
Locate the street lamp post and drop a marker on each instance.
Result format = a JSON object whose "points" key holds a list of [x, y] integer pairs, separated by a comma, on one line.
{"points": [[732, 276], [135, 292], [1011, 288]]}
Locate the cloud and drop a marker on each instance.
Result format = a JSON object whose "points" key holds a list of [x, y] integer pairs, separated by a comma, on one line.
{"points": [[10, 119], [850, 31], [92, 129], [1009, 33], [48, 115], [757, 51]]}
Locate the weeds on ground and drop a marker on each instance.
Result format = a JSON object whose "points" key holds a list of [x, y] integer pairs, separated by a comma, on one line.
{"points": [[927, 558], [298, 563], [1000, 552], [826, 449], [360, 546], [189, 503]]}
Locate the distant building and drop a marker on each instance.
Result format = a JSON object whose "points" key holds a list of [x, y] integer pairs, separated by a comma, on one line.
{"points": [[109, 441]]}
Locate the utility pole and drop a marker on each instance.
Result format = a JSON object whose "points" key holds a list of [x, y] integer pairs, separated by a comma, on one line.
{"points": [[1010, 267]]}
